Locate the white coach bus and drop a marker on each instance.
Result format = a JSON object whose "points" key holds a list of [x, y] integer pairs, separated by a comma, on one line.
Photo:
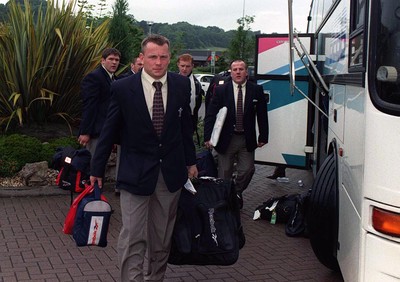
{"points": [[341, 117]]}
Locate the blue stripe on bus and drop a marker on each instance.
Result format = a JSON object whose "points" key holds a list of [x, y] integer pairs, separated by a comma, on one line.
{"points": [[284, 70], [294, 160], [280, 92]]}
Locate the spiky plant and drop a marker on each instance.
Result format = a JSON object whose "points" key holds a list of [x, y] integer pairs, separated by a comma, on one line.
{"points": [[42, 63]]}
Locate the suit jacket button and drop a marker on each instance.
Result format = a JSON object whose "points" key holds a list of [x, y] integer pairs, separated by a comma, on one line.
{"points": [[159, 145], [160, 160]]}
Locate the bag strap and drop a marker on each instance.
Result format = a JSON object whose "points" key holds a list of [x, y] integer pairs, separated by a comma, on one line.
{"points": [[97, 191], [88, 190]]}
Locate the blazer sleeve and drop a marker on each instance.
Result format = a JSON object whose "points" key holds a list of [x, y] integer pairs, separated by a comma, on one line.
{"points": [[90, 89], [107, 138], [187, 125], [212, 111]]}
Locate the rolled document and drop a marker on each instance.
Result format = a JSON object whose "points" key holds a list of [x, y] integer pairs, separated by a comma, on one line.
{"points": [[219, 123]]}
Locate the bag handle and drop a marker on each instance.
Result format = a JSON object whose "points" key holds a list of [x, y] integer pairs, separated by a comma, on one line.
{"points": [[97, 191]]}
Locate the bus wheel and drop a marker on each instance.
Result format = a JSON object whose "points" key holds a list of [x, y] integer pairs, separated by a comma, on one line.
{"points": [[322, 214]]}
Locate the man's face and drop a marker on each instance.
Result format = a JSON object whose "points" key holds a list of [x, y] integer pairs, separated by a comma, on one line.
{"points": [[110, 63], [137, 66], [238, 72], [185, 67], [155, 59]]}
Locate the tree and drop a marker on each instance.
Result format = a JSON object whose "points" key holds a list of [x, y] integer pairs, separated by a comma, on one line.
{"points": [[243, 42], [125, 35], [34, 4], [102, 7]]}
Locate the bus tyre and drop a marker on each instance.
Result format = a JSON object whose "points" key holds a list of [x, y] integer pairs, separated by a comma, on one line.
{"points": [[322, 214]]}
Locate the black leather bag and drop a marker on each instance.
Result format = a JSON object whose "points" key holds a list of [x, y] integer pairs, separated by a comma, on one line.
{"points": [[281, 207], [208, 229], [206, 165]]}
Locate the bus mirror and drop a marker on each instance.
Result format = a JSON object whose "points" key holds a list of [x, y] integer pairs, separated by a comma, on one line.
{"points": [[387, 74]]}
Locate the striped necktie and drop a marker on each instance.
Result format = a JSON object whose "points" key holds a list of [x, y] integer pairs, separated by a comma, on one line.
{"points": [[158, 108], [239, 110]]}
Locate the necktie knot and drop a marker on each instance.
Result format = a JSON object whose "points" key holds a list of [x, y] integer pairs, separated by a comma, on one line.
{"points": [[157, 85]]}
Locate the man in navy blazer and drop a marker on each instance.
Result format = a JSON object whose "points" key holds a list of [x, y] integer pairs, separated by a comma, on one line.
{"points": [[154, 165], [238, 139], [95, 92]]}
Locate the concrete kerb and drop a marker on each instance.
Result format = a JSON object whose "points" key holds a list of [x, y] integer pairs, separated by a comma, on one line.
{"points": [[37, 191]]}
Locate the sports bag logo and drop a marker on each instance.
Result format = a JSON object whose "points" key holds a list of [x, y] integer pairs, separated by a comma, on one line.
{"points": [[212, 226], [96, 224]]}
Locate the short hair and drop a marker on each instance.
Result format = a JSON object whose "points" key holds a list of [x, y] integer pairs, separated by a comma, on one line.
{"points": [[135, 60], [238, 61], [156, 39], [186, 57], [110, 51]]}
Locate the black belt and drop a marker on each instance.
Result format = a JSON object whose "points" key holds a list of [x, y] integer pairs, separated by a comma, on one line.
{"points": [[238, 132]]}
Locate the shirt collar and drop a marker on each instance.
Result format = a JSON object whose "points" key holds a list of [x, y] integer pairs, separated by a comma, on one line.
{"points": [[109, 73], [150, 79], [237, 85]]}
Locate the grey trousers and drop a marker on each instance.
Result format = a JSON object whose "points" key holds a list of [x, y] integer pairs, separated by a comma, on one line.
{"points": [[91, 145], [244, 166], [147, 225]]}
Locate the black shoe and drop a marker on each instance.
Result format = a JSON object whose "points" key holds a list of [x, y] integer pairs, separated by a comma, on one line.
{"points": [[278, 172], [240, 200], [117, 193]]}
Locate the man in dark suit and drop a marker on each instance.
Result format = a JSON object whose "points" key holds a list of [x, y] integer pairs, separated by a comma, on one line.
{"points": [[95, 92], [136, 66], [150, 114], [245, 101], [185, 66]]}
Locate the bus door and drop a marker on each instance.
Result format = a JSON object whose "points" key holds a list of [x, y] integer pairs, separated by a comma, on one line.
{"points": [[289, 116]]}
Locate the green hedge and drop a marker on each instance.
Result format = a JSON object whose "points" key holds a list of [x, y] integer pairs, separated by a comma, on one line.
{"points": [[17, 150]]}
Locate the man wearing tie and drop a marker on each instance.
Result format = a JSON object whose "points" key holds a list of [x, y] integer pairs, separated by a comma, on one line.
{"points": [[245, 101], [150, 114], [95, 92]]}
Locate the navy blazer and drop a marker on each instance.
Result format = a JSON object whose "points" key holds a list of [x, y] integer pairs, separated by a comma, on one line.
{"points": [[255, 105], [143, 153], [95, 92]]}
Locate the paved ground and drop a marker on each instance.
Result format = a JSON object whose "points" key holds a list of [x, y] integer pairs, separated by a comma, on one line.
{"points": [[33, 247]]}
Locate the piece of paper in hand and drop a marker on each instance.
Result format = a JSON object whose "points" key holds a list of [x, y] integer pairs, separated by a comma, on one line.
{"points": [[189, 186], [219, 123]]}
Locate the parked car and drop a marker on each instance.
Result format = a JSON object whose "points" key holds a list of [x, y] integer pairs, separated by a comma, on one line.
{"points": [[205, 79]]}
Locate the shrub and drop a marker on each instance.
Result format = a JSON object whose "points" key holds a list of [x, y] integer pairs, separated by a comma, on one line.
{"points": [[43, 58], [17, 150]]}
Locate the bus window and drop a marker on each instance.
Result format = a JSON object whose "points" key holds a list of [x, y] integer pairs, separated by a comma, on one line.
{"points": [[386, 64]]}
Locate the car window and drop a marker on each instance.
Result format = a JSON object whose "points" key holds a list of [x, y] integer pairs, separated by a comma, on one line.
{"points": [[206, 79]]}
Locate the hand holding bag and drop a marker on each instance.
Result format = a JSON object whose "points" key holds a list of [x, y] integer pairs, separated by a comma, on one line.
{"points": [[92, 220]]}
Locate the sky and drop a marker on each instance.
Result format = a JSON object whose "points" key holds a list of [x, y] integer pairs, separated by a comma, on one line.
{"points": [[269, 15]]}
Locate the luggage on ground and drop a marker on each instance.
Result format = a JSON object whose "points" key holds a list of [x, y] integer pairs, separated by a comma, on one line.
{"points": [[208, 229], [74, 168], [206, 165]]}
